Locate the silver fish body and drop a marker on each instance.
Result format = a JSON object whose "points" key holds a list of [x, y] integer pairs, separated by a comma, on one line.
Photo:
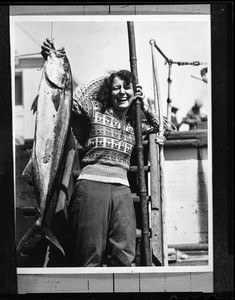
{"points": [[52, 125]]}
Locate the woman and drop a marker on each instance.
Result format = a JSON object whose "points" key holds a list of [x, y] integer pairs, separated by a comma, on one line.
{"points": [[101, 209]]}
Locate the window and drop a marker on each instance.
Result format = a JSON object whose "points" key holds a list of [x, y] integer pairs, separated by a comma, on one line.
{"points": [[18, 89]]}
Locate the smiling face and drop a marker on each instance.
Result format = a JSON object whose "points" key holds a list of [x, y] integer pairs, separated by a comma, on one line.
{"points": [[122, 95]]}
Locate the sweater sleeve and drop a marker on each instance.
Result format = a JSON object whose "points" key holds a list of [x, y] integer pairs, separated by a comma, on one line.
{"points": [[150, 123], [82, 112], [82, 107]]}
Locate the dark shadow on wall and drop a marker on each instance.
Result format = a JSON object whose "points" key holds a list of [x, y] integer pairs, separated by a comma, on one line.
{"points": [[202, 197]]}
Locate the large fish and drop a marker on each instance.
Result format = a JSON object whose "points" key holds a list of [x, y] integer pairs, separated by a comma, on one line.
{"points": [[53, 112]]}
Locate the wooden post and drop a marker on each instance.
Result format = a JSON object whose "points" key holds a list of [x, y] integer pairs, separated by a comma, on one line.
{"points": [[156, 208], [146, 256], [159, 138]]}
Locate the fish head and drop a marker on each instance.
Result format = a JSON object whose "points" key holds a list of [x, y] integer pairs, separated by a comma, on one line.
{"points": [[57, 69]]}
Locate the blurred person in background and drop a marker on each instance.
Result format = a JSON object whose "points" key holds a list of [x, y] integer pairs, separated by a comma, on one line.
{"points": [[195, 117], [174, 118], [204, 74]]}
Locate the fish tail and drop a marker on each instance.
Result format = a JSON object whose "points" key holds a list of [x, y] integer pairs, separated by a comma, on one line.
{"points": [[37, 230], [52, 238], [34, 230]]}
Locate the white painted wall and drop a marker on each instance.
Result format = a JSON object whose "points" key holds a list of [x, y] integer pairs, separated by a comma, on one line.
{"points": [[186, 199]]}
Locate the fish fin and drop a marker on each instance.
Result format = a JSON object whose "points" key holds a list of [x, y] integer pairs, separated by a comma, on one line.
{"points": [[35, 104], [34, 230], [28, 169], [52, 238]]}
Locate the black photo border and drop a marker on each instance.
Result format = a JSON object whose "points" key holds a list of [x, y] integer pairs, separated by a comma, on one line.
{"points": [[222, 143]]}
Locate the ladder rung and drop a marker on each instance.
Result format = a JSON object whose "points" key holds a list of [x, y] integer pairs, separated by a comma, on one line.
{"points": [[134, 169], [135, 198]]}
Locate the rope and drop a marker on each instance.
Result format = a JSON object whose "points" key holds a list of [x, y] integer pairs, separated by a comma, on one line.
{"points": [[169, 126], [169, 61], [194, 63]]}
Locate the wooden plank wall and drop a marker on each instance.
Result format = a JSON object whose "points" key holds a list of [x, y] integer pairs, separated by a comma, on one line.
{"points": [[137, 282], [109, 9], [116, 283]]}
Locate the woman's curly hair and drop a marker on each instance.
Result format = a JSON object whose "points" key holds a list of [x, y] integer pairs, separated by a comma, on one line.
{"points": [[105, 93]]}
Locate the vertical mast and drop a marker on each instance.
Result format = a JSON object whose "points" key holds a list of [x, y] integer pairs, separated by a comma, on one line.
{"points": [[146, 256]]}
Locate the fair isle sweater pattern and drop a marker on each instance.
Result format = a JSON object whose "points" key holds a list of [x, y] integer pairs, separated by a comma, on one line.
{"points": [[107, 149], [105, 144], [109, 146]]}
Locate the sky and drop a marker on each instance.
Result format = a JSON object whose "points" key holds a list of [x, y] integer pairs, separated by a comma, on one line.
{"points": [[96, 45]]}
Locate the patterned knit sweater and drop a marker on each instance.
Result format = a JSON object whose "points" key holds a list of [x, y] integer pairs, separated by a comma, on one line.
{"points": [[109, 144]]}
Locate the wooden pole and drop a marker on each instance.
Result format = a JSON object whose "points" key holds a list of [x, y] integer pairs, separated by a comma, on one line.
{"points": [[156, 208], [160, 136], [146, 256]]}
